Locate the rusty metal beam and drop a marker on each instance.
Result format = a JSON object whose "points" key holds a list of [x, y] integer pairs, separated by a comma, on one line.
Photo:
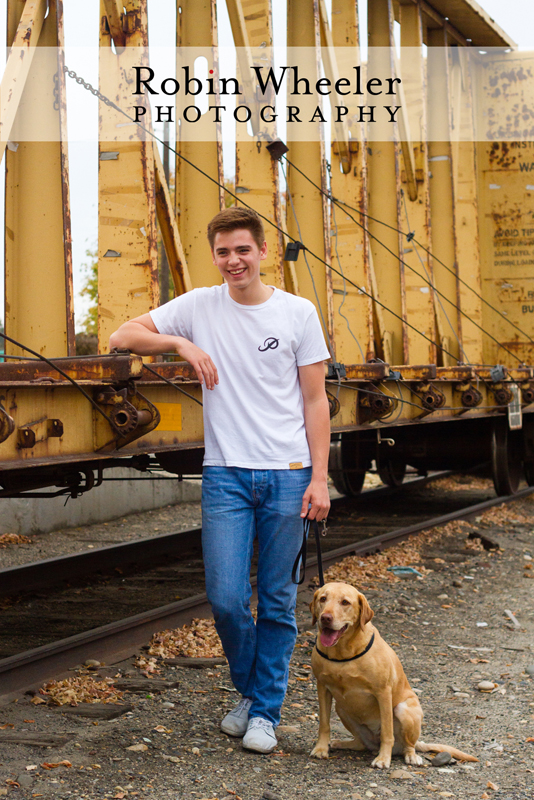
{"points": [[114, 12], [310, 208], [353, 312], [198, 199], [128, 283], [169, 229], [332, 73], [384, 193], [442, 198], [415, 211], [244, 55], [106, 370], [18, 65], [38, 252]]}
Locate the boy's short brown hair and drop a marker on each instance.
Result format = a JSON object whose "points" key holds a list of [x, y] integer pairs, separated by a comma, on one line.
{"points": [[234, 218]]}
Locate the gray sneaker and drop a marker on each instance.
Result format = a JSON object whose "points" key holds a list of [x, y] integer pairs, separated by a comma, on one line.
{"points": [[236, 721], [260, 736]]}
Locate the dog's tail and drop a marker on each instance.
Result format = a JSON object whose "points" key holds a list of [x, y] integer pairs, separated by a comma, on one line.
{"points": [[444, 748]]}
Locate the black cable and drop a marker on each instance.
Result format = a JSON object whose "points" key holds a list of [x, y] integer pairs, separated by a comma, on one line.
{"points": [[410, 238], [174, 385], [65, 375], [401, 261], [435, 258]]}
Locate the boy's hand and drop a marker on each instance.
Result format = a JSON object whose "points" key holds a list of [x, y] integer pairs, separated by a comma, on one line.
{"points": [[200, 361], [316, 496]]}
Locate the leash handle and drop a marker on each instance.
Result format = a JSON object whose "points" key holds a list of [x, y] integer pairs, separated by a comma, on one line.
{"points": [[299, 567]]}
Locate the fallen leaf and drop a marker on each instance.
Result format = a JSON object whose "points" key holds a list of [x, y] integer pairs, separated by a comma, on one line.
{"points": [[30, 767], [7, 725], [138, 748], [37, 701], [530, 739], [28, 720], [493, 786], [162, 729], [49, 765]]}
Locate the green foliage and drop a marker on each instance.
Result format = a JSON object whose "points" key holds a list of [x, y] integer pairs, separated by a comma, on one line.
{"points": [[229, 183], [90, 290]]}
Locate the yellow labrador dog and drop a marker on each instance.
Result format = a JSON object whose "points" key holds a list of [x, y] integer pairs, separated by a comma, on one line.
{"points": [[355, 666]]}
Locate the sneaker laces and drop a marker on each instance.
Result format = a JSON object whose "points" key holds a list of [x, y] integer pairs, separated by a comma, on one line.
{"points": [[260, 722], [243, 705]]}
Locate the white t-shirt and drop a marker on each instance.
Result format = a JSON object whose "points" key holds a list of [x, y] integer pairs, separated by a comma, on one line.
{"points": [[254, 417]]}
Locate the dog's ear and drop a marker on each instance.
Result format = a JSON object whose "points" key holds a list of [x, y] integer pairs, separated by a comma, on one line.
{"points": [[312, 607], [366, 612]]}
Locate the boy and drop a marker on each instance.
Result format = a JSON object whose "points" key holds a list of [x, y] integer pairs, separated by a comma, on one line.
{"points": [[259, 353]]}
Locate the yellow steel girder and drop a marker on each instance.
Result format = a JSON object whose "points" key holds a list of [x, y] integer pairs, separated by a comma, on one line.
{"points": [[127, 254], [38, 252]]}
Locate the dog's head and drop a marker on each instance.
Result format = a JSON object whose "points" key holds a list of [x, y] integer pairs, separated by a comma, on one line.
{"points": [[339, 608]]}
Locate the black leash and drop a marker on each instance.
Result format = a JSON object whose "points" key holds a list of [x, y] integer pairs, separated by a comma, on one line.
{"points": [[300, 561]]}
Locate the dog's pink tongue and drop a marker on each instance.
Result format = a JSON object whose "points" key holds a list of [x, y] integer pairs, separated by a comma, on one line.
{"points": [[329, 637]]}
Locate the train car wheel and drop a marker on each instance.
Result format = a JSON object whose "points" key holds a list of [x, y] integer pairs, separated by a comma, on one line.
{"points": [[343, 468], [392, 472], [528, 448], [506, 458]]}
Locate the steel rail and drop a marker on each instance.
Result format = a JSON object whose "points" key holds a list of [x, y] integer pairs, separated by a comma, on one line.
{"points": [[119, 640], [149, 550]]}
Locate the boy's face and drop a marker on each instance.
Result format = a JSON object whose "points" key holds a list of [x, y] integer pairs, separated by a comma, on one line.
{"points": [[238, 258]]}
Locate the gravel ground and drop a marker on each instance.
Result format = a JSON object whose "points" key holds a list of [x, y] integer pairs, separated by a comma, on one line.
{"points": [[53, 544], [445, 655]]}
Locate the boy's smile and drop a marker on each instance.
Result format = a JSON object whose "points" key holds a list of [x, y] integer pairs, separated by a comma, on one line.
{"points": [[238, 258]]}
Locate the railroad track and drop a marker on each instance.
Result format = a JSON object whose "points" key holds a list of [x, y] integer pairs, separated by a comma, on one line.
{"points": [[110, 625]]}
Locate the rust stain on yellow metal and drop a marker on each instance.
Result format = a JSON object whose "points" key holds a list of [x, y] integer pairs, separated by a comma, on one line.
{"points": [[114, 10], [126, 254], [506, 208], [38, 256]]}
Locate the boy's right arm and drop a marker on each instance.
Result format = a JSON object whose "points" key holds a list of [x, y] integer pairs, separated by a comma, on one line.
{"points": [[141, 336]]}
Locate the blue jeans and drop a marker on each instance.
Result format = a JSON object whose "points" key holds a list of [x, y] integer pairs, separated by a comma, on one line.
{"points": [[238, 505]]}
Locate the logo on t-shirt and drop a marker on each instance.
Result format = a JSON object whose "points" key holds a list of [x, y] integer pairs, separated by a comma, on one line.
{"points": [[269, 344]]}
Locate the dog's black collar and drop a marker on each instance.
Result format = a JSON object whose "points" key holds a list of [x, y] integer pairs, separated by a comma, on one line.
{"points": [[371, 640]]}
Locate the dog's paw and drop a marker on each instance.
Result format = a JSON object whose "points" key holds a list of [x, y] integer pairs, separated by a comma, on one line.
{"points": [[382, 762], [413, 759], [319, 751]]}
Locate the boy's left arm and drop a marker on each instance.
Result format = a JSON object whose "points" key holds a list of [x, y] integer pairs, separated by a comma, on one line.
{"points": [[317, 422]]}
